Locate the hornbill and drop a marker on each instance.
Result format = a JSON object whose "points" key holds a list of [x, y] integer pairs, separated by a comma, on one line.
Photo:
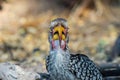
{"points": [[63, 65]]}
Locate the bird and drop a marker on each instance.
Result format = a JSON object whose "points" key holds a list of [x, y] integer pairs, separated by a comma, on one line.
{"points": [[61, 64]]}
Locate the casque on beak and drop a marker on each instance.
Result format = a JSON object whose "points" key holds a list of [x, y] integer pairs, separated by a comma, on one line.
{"points": [[59, 34]]}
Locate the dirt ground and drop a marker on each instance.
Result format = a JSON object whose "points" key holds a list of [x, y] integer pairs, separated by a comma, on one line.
{"points": [[24, 32]]}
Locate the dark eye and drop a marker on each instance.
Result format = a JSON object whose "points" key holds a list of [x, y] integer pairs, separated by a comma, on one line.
{"points": [[56, 32]]}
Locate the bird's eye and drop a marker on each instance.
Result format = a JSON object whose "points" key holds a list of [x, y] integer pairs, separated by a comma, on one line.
{"points": [[56, 32]]}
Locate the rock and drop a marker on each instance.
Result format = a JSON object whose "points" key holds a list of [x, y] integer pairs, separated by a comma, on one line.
{"points": [[10, 71]]}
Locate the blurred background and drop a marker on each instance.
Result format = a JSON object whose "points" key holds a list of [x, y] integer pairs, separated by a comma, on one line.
{"points": [[94, 30]]}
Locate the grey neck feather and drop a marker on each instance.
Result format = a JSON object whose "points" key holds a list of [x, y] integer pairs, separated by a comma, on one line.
{"points": [[60, 57], [59, 67]]}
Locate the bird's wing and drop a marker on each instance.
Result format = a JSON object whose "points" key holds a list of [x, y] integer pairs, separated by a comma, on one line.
{"points": [[83, 68], [47, 62]]}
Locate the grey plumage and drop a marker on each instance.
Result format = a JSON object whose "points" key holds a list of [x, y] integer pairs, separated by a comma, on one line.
{"points": [[58, 65], [57, 22], [83, 68], [65, 66], [62, 65]]}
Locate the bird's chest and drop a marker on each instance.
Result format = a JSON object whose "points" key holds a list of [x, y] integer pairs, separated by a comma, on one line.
{"points": [[59, 67]]}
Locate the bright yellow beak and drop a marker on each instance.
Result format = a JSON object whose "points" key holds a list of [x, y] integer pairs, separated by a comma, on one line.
{"points": [[59, 33]]}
